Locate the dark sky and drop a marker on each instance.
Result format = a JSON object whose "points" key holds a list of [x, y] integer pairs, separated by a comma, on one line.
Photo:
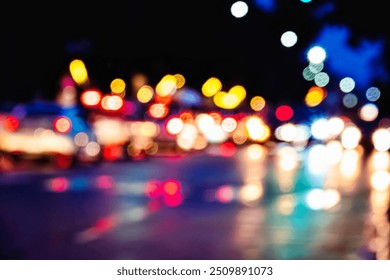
{"points": [[159, 37]]}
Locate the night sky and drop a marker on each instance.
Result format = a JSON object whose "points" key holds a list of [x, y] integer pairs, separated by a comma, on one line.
{"points": [[119, 38]]}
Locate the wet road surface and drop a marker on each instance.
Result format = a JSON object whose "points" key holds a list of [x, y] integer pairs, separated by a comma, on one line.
{"points": [[250, 203]]}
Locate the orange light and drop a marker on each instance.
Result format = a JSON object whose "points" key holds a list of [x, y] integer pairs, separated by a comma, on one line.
{"points": [[187, 117], [315, 96], [166, 99]]}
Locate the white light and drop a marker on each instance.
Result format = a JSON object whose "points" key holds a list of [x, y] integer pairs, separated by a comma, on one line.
{"points": [[380, 180], [216, 135], [334, 151], [320, 129], [316, 68], [347, 84], [316, 55], [205, 122], [229, 124], [175, 126], [368, 112], [350, 137], [315, 199], [381, 139], [315, 158], [336, 126], [289, 39], [239, 9], [321, 79], [318, 199], [92, 149], [186, 138], [288, 132]]}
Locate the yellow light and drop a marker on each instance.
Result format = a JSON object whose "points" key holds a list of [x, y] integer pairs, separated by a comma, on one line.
{"points": [[78, 71], [145, 94], [238, 91], [118, 86], [167, 85], [227, 100], [315, 96], [257, 103], [180, 80], [211, 87]]}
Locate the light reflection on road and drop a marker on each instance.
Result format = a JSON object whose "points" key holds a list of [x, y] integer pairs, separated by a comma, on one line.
{"points": [[256, 203]]}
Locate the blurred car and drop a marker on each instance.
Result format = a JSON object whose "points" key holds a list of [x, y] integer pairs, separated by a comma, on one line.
{"points": [[45, 133]]}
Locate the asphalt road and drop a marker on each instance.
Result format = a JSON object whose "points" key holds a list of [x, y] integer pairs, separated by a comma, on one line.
{"points": [[250, 203]]}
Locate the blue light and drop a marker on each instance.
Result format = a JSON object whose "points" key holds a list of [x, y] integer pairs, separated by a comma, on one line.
{"points": [[189, 97], [268, 6], [324, 10], [362, 62]]}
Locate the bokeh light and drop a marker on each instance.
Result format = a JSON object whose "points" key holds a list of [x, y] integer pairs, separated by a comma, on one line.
{"points": [[373, 94], [381, 139], [289, 39], [239, 9], [316, 55], [284, 112], [78, 71], [347, 84]]}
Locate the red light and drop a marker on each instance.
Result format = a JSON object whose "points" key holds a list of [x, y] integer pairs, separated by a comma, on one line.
{"points": [[104, 182], [64, 161], [158, 110], [153, 189], [173, 200], [172, 193], [224, 194], [62, 124], [154, 205], [104, 224], [171, 187], [129, 108], [284, 113], [228, 149], [11, 123], [59, 184], [167, 192], [90, 98], [112, 152]]}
